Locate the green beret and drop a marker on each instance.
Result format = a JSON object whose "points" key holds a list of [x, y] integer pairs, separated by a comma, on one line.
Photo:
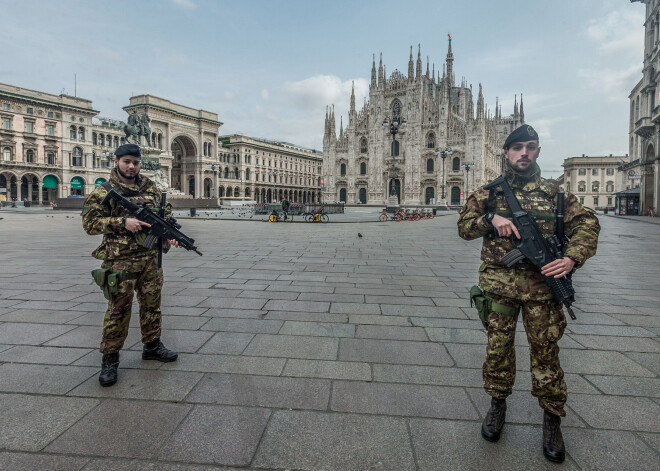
{"points": [[522, 134], [128, 149]]}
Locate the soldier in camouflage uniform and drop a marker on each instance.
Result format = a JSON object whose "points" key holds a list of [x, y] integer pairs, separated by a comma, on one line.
{"points": [[136, 267], [521, 286]]}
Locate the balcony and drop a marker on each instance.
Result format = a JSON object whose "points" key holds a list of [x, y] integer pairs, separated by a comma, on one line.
{"points": [[644, 127]]}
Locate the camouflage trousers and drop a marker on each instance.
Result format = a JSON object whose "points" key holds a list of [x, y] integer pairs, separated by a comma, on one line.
{"points": [[544, 323], [148, 287]]}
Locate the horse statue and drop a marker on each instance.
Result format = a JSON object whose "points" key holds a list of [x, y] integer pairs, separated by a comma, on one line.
{"points": [[138, 125]]}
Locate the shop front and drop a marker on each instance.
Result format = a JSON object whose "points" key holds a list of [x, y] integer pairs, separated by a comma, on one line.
{"points": [[627, 202]]}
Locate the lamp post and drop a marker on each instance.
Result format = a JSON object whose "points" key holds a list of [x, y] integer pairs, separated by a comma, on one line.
{"points": [[274, 174], [394, 125], [444, 153], [214, 186], [467, 168]]}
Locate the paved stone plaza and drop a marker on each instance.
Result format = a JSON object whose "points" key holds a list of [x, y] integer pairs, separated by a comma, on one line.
{"points": [[304, 346]]}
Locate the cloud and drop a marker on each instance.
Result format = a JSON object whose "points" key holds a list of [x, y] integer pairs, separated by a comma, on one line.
{"points": [[321, 90], [104, 52], [264, 94], [188, 4], [615, 84], [618, 32]]}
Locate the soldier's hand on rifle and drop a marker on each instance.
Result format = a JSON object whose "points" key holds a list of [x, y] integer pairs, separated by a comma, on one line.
{"points": [[135, 225], [558, 268], [504, 227], [174, 243]]}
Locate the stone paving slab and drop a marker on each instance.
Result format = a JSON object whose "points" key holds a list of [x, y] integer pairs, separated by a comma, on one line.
{"points": [[29, 423], [328, 369], [315, 440], [30, 334], [394, 351], [40, 316], [226, 435], [262, 391], [293, 346], [43, 355], [138, 429], [42, 379], [228, 364], [617, 412], [34, 461]]}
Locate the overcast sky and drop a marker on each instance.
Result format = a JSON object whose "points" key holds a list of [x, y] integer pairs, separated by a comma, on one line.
{"points": [[269, 68]]}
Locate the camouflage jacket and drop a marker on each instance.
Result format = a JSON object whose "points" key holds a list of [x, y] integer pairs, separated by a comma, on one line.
{"points": [[538, 197], [118, 242]]}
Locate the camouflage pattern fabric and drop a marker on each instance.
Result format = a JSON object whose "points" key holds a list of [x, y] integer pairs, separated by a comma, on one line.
{"points": [[538, 197], [124, 251], [97, 218], [523, 287], [544, 323], [148, 288]]}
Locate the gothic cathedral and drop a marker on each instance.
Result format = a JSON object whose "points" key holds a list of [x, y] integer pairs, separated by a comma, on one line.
{"points": [[442, 153]]}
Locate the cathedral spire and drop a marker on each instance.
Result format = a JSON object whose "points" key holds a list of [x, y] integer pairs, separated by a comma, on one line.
{"points": [[427, 67], [497, 106], [450, 63], [433, 73], [522, 113], [352, 115], [411, 69], [480, 104], [381, 82], [373, 73], [418, 72], [515, 107]]}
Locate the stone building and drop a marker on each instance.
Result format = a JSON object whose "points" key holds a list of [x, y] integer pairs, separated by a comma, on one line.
{"points": [[268, 171], [365, 163], [593, 179], [644, 130]]}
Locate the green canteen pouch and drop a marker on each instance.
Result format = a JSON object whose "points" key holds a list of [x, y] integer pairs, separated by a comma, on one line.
{"points": [[113, 284]]}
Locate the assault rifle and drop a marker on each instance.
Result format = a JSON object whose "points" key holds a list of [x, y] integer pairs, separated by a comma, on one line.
{"points": [[534, 247], [160, 227]]}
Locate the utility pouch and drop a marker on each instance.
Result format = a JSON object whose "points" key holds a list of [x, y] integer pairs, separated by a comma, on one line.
{"points": [[109, 280], [100, 276], [485, 305]]}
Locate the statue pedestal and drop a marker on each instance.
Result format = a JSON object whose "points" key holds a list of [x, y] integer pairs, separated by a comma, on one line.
{"points": [[392, 204], [442, 204]]}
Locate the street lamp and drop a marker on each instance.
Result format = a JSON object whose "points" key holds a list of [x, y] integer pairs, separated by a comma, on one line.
{"points": [[274, 174], [394, 125], [213, 187], [467, 168], [444, 153]]}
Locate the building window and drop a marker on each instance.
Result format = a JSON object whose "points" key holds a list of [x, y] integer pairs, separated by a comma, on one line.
{"points": [[30, 110], [94, 138], [108, 140], [29, 127], [610, 171], [6, 107], [50, 130], [6, 154], [609, 201], [77, 157], [29, 156], [363, 145], [581, 199], [582, 171], [116, 142], [50, 114], [456, 164], [568, 187], [582, 186], [430, 141], [6, 124], [568, 173], [595, 200], [609, 187], [72, 132], [429, 165], [51, 158], [342, 169], [594, 171], [595, 187], [363, 168], [81, 134]]}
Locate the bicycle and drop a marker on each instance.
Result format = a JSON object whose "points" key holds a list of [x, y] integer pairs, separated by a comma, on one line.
{"points": [[383, 216], [317, 216]]}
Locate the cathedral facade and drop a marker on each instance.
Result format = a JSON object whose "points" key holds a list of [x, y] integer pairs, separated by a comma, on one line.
{"points": [[448, 147]]}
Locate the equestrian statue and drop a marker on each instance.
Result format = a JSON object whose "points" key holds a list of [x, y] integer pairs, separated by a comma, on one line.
{"points": [[138, 125]]}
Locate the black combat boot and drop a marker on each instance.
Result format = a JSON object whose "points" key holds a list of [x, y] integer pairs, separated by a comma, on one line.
{"points": [[109, 366], [155, 350], [553, 442], [494, 421]]}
